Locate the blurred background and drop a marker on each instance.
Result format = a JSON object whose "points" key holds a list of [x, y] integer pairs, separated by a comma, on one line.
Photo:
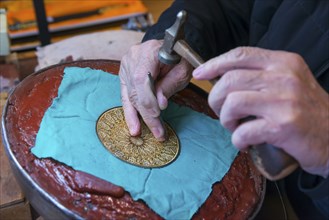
{"points": [[30, 28]]}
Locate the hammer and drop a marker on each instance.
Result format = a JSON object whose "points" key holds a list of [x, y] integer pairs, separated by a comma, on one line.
{"points": [[272, 162]]}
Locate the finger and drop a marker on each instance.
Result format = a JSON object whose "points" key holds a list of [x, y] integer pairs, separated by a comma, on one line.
{"points": [[156, 127], [238, 58], [130, 112], [150, 111], [235, 80], [253, 133], [239, 105], [175, 80], [162, 100]]}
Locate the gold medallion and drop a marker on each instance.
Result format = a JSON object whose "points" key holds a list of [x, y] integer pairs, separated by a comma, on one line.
{"points": [[144, 150]]}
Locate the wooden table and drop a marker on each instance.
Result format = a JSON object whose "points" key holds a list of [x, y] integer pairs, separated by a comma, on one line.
{"points": [[12, 201]]}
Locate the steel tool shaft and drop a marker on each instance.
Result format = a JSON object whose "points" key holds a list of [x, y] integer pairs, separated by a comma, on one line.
{"points": [[272, 162]]}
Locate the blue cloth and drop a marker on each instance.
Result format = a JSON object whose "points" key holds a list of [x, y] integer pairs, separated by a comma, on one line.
{"points": [[67, 134]]}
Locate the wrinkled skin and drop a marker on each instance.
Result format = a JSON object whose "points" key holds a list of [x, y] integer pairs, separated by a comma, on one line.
{"points": [[136, 93], [291, 108]]}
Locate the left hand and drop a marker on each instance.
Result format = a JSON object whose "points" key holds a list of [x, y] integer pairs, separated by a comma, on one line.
{"points": [[136, 94], [278, 88]]}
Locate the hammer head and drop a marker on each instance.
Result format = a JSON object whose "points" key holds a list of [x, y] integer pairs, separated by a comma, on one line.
{"points": [[167, 55]]}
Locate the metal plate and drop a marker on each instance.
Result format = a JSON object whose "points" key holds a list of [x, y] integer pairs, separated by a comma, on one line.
{"points": [[144, 150]]}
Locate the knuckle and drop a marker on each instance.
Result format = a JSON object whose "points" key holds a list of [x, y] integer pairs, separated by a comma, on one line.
{"points": [[293, 112], [292, 81], [149, 108], [228, 80], [182, 80], [233, 101], [290, 120], [132, 96], [147, 103], [288, 79], [149, 113], [214, 102], [238, 139], [239, 52], [294, 58], [227, 122]]}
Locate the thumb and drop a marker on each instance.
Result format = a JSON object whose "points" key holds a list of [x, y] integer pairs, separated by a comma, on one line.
{"points": [[162, 100], [166, 87]]}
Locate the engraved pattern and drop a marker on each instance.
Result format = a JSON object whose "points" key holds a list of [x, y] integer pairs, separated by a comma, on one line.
{"points": [[143, 151]]}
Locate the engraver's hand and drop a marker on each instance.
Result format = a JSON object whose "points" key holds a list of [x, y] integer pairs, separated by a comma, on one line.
{"points": [[136, 93], [278, 88]]}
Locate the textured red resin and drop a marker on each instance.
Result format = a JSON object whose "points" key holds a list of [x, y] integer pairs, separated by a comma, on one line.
{"points": [[237, 196]]}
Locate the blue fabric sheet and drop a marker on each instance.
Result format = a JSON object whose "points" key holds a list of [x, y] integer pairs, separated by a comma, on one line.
{"points": [[67, 134]]}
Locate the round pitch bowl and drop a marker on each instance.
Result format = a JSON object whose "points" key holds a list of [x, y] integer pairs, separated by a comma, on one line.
{"points": [[54, 189]]}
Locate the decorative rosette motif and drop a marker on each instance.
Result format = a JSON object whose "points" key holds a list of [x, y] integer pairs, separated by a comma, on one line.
{"points": [[144, 150]]}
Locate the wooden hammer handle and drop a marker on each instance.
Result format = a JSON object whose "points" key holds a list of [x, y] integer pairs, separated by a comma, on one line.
{"points": [[185, 51]]}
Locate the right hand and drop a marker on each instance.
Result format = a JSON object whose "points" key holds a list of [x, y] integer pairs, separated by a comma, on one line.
{"points": [[279, 89], [136, 94]]}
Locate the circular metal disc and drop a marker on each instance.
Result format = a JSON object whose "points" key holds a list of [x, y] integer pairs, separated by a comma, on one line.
{"points": [[144, 150]]}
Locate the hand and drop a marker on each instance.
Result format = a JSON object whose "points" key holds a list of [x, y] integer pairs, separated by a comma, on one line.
{"points": [[278, 88], [136, 94]]}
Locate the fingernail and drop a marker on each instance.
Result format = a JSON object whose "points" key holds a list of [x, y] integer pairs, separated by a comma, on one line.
{"points": [[198, 71], [158, 134], [162, 101], [134, 130]]}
